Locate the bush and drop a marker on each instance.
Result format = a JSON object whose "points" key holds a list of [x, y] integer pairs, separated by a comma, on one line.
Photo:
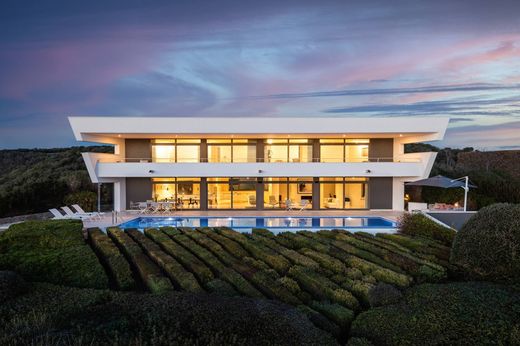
{"points": [[117, 265], [462, 313], [11, 285], [51, 251], [415, 224], [149, 273], [488, 245], [53, 315], [383, 294], [87, 200]]}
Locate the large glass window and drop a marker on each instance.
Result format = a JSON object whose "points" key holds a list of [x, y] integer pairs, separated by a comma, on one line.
{"points": [[227, 150], [184, 191], [347, 193], [288, 150], [282, 192], [180, 150], [344, 150], [232, 193]]}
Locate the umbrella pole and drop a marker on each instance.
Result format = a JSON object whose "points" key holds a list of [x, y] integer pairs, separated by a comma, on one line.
{"points": [[466, 188]]}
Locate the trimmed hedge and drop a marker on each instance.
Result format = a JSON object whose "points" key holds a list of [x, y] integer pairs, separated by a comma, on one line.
{"points": [[415, 224], [383, 294], [11, 285], [51, 251], [488, 245], [340, 315], [231, 246], [54, 315], [224, 272], [116, 264], [461, 313], [418, 245], [259, 251], [183, 256], [149, 272]]}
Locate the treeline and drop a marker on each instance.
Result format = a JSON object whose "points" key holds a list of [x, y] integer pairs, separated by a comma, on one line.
{"points": [[495, 173], [34, 180]]}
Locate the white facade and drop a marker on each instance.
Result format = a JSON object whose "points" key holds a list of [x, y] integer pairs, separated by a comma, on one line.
{"points": [[401, 167]]}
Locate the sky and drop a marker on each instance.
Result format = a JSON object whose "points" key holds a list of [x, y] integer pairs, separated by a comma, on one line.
{"points": [[267, 58]]}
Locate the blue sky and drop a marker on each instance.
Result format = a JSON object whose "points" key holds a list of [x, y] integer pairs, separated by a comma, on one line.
{"points": [[270, 58]]}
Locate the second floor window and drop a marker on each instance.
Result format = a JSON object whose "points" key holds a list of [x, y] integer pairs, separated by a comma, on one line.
{"points": [[176, 150]]}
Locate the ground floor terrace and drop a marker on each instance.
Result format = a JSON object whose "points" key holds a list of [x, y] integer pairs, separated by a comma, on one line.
{"points": [[270, 193]]}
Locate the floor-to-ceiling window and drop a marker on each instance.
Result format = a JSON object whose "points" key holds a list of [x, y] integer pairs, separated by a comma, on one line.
{"points": [[184, 191], [231, 150], [287, 150], [232, 193], [278, 192], [343, 193], [176, 150], [344, 150]]}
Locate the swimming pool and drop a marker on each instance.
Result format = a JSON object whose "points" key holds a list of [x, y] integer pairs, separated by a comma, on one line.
{"points": [[275, 224]]}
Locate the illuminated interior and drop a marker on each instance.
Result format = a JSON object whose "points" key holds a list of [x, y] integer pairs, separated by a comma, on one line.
{"points": [[185, 192]]}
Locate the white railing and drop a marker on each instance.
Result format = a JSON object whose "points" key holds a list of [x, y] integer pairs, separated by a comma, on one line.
{"points": [[260, 160]]}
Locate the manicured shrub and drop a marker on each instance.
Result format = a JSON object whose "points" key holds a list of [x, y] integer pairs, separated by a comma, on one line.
{"points": [[488, 245], [322, 288], [11, 285], [340, 315], [290, 254], [221, 288], [116, 264], [263, 232], [183, 256], [183, 279], [359, 342], [149, 273], [259, 251], [223, 271], [53, 315], [415, 224], [231, 246], [51, 251], [383, 294], [326, 261], [321, 321], [460, 313], [418, 244]]}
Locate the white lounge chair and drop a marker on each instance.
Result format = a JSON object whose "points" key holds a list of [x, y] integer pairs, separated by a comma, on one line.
{"points": [[73, 215], [80, 210], [57, 215], [289, 205]]}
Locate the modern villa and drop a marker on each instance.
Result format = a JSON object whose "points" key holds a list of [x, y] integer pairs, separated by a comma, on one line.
{"points": [[259, 163]]}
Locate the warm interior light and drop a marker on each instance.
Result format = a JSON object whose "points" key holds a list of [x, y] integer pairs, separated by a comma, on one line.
{"points": [[400, 135], [269, 141]]}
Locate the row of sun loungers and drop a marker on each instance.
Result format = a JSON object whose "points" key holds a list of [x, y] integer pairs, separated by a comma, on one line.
{"points": [[79, 213]]}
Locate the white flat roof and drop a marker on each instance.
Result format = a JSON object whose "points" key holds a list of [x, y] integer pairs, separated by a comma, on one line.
{"points": [[88, 127]]}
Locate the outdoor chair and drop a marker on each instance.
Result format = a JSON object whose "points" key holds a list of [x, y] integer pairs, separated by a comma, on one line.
{"points": [[57, 215], [289, 205], [303, 204], [93, 214], [71, 214]]}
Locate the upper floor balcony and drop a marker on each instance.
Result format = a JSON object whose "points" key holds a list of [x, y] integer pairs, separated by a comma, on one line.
{"points": [[115, 166]]}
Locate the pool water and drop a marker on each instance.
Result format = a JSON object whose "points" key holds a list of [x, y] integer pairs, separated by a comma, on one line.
{"points": [[274, 224]]}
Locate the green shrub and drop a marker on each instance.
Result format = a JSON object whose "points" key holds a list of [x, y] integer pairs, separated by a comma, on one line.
{"points": [[359, 342], [340, 315], [321, 321], [383, 294], [87, 200], [231, 246], [262, 232], [290, 254], [416, 224], [418, 244], [11, 285], [118, 267], [224, 272], [183, 256], [149, 272], [488, 245], [51, 251], [259, 251], [462, 313], [53, 315], [221, 288]]}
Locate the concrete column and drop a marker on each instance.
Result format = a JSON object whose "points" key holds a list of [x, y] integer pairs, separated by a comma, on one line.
{"points": [[398, 194], [260, 150], [120, 194], [203, 193], [203, 150], [315, 150], [315, 193], [260, 194]]}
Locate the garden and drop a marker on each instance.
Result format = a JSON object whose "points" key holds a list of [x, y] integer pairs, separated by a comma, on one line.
{"points": [[426, 284]]}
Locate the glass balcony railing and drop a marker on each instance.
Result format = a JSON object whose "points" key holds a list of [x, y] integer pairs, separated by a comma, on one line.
{"points": [[264, 160]]}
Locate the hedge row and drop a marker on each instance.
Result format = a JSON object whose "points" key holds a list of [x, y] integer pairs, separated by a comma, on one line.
{"points": [[149, 272], [266, 281], [259, 251], [181, 278], [231, 246], [224, 272], [421, 269], [118, 267], [366, 267], [183, 256], [322, 288], [51, 251]]}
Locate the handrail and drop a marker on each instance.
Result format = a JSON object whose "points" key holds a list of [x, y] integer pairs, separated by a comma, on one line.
{"points": [[261, 160]]}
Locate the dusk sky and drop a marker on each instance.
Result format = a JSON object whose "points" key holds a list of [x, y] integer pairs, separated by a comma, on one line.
{"points": [[260, 58]]}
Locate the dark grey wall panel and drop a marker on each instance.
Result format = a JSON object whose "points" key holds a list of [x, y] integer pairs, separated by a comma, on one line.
{"points": [[381, 148], [138, 149], [138, 190], [380, 193]]}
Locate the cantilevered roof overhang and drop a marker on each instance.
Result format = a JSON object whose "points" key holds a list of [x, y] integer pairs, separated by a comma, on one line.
{"points": [[90, 128]]}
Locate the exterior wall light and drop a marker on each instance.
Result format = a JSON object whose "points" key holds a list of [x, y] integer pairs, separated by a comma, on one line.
{"points": [[151, 171], [368, 171], [260, 171]]}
